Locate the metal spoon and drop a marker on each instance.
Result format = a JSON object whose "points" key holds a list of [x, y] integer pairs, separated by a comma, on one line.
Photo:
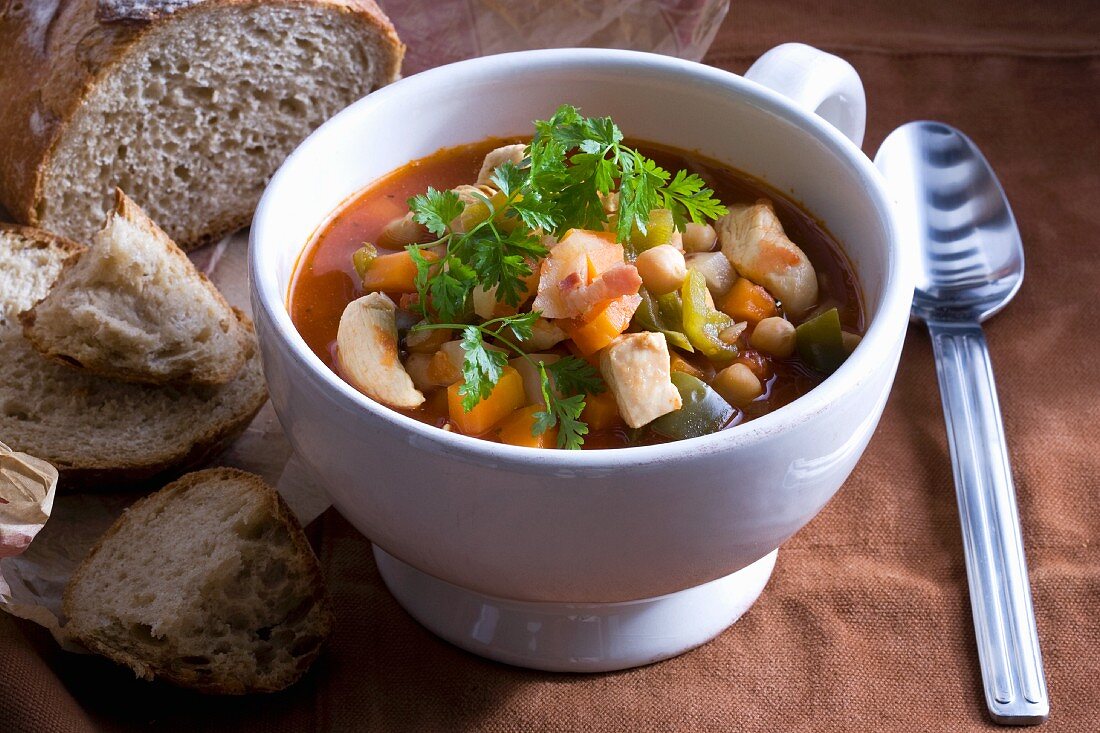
{"points": [[971, 264]]}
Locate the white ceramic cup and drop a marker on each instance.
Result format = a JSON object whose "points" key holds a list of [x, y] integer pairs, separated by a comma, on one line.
{"points": [[608, 558]]}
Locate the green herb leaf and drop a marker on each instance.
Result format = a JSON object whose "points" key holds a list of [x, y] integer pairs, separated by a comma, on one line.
{"points": [[508, 178], [481, 368], [565, 412], [688, 195], [575, 376], [521, 324], [436, 209], [503, 260]]}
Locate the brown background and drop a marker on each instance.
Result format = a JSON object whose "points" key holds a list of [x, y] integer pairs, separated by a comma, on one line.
{"points": [[866, 623]]}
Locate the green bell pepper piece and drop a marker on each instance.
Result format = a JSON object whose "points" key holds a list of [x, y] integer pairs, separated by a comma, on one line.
{"points": [[819, 342], [704, 411], [658, 230], [671, 310], [702, 323], [648, 317]]}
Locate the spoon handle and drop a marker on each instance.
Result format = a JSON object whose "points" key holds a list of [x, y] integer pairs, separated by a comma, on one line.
{"points": [[1004, 622]]}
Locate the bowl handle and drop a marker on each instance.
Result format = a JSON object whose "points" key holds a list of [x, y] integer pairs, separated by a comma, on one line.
{"points": [[818, 82]]}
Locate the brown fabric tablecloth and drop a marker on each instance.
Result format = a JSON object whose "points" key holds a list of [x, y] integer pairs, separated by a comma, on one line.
{"points": [[866, 623]]}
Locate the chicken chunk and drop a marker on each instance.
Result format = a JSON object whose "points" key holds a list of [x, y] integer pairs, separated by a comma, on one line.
{"points": [[508, 153], [758, 248], [366, 346], [574, 262], [636, 369]]}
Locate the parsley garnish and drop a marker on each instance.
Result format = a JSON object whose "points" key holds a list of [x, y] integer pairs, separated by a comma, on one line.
{"points": [[571, 166], [482, 368]]}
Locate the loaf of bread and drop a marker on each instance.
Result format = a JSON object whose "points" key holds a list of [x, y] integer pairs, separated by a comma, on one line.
{"points": [[133, 307], [93, 429], [188, 107], [208, 583]]}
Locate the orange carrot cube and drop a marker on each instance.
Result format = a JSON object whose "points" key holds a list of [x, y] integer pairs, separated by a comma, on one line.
{"points": [[507, 396]]}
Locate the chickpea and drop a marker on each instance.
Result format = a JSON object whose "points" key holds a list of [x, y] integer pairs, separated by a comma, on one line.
{"points": [[775, 336], [738, 385], [699, 237], [662, 268]]}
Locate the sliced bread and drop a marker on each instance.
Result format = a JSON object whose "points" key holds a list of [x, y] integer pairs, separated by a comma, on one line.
{"points": [[95, 429], [187, 106], [133, 307], [208, 583]]}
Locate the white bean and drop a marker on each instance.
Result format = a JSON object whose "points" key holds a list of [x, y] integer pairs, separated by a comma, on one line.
{"points": [[699, 237], [662, 269], [775, 336], [738, 385]]}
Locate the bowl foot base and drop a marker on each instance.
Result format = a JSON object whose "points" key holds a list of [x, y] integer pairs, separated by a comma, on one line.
{"points": [[575, 637]]}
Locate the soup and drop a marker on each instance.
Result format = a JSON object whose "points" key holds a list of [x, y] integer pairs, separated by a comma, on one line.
{"points": [[538, 294]]}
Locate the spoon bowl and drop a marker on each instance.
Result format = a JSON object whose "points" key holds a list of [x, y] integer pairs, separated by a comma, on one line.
{"points": [[972, 259]]}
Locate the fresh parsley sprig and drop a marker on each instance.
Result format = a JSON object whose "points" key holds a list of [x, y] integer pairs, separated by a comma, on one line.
{"points": [[573, 164], [577, 160], [564, 382]]}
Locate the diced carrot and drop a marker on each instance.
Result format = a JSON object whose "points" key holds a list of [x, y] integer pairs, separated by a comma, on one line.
{"points": [[601, 411], [747, 301], [592, 334], [507, 396], [516, 429], [607, 237], [393, 273]]}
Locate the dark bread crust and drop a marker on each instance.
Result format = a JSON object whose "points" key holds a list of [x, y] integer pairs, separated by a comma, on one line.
{"points": [[246, 334], [55, 52], [181, 676]]}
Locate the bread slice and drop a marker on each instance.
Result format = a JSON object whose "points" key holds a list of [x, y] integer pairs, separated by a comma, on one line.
{"points": [[133, 307], [189, 107], [30, 261], [208, 583], [94, 429]]}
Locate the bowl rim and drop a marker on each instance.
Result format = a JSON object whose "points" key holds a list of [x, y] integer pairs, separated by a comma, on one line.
{"points": [[879, 338]]}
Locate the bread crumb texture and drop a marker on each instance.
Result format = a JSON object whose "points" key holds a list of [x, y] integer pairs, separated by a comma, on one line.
{"points": [[209, 583], [194, 119], [91, 428], [133, 307]]}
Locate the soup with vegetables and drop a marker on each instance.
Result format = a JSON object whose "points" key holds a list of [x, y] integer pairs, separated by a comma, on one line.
{"points": [[576, 291]]}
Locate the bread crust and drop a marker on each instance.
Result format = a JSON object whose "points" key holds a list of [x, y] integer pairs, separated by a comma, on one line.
{"points": [[55, 52], [275, 504], [105, 477], [44, 239]]}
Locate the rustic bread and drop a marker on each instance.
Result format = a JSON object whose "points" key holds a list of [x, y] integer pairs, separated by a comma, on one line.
{"points": [[95, 429], [133, 307], [189, 112], [208, 583]]}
